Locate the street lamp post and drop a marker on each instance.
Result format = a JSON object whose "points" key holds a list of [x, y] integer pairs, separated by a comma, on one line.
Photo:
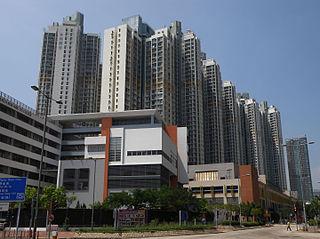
{"points": [[302, 193], [239, 198], [41, 157]]}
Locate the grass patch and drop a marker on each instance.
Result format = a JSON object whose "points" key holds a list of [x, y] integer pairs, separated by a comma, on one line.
{"points": [[148, 228]]}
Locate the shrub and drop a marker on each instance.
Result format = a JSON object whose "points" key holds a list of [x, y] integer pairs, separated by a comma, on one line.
{"points": [[232, 223], [154, 222], [66, 224], [250, 224], [313, 222], [149, 228]]}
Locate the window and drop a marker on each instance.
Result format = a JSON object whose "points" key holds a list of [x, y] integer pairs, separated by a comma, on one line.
{"points": [[115, 149], [76, 179], [206, 176], [96, 148]]}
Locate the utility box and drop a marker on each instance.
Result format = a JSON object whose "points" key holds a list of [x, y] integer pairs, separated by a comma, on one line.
{"points": [[54, 235]]}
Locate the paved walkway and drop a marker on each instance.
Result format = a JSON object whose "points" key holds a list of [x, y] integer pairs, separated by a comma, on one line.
{"points": [[23, 233], [276, 232]]}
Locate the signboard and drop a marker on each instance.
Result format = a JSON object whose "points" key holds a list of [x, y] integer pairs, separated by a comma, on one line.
{"points": [[51, 217], [12, 189], [4, 207], [184, 216], [52, 227], [132, 218]]}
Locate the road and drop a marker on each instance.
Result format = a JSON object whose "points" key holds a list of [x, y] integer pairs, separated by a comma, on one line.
{"points": [[258, 233]]}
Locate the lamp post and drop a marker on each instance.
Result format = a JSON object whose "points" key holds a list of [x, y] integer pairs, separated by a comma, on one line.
{"points": [[302, 193], [240, 216], [42, 154]]}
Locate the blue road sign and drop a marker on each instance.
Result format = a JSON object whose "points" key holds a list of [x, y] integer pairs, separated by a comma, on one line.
{"points": [[184, 216], [12, 189]]}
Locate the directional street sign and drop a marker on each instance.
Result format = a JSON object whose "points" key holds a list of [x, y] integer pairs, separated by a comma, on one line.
{"points": [[12, 189]]}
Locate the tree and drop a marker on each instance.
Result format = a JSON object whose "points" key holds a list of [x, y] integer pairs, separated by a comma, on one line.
{"points": [[139, 199], [151, 196], [165, 198], [256, 212], [51, 193], [31, 192], [71, 199], [117, 200], [231, 209], [314, 208], [246, 209]]}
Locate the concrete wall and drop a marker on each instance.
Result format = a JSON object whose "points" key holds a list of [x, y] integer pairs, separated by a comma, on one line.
{"points": [[225, 170], [86, 196], [182, 155]]}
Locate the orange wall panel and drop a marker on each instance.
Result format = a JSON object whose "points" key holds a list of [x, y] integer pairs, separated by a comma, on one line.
{"points": [[249, 184], [106, 124], [172, 132]]}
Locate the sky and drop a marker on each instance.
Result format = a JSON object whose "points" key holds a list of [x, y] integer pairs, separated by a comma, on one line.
{"points": [[269, 48]]}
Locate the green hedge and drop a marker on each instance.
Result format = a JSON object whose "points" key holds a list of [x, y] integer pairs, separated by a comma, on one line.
{"points": [[232, 223], [250, 224], [148, 228], [313, 222]]}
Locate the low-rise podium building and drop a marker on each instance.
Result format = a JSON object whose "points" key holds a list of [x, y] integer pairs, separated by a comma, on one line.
{"points": [[120, 151]]}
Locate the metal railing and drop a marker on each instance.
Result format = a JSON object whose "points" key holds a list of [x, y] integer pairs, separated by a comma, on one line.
{"points": [[17, 104]]}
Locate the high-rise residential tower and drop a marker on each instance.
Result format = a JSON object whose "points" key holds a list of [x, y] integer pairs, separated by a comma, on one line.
{"points": [[89, 76], [241, 101], [191, 97], [121, 70], [254, 128], [69, 68], [146, 69], [299, 167], [160, 84], [213, 112], [176, 31], [273, 146], [277, 167], [124, 65], [231, 124]]}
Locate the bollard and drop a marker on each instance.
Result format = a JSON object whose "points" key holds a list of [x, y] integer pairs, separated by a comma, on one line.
{"points": [[54, 235]]}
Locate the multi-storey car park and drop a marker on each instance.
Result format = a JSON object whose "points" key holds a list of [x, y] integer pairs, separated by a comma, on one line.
{"points": [[21, 132]]}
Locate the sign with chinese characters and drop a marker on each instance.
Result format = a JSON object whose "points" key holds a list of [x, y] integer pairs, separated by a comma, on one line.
{"points": [[12, 189], [132, 218]]}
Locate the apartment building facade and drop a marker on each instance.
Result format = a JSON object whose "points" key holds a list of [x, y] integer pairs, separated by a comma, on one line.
{"points": [[146, 69], [213, 112], [160, 85], [255, 137], [231, 124], [299, 167], [277, 167], [69, 68], [121, 87], [191, 97]]}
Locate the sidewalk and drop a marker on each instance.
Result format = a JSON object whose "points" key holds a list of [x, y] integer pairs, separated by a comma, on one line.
{"points": [[23, 233]]}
